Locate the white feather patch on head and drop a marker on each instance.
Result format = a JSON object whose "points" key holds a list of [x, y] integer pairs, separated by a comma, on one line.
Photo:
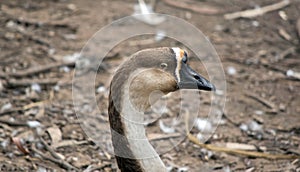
{"points": [[178, 52]]}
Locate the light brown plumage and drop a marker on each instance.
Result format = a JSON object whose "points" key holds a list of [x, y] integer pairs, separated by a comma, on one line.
{"points": [[160, 69]]}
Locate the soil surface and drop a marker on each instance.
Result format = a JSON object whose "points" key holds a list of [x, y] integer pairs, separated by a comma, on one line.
{"points": [[39, 129]]}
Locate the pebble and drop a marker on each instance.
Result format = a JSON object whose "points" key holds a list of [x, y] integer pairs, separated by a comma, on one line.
{"points": [[36, 87], [203, 125], [41, 169], [72, 7], [244, 127], [282, 107], [219, 92], [188, 15], [259, 112], [6, 106], [33, 124], [254, 126], [255, 23], [65, 69], [56, 88], [289, 72], [71, 58], [231, 70], [101, 89]]}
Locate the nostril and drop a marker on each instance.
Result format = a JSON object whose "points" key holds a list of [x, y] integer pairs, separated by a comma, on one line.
{"points": [[197, 77]]}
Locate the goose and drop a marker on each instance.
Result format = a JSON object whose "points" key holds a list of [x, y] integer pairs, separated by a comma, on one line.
{"points": [[140, 81]]}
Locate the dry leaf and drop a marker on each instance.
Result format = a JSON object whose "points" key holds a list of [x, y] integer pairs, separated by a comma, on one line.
{"points": [[18, 143], [55, 135]]}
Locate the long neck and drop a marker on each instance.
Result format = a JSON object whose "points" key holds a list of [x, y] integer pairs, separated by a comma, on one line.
{"points": [[142, 150], [132, 148]]}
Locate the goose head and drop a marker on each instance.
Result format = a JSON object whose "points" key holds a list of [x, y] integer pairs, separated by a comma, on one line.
{"points": [[139, 82], [159, 71]]}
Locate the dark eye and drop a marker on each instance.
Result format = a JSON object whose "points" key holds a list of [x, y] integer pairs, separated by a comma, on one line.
{"points": [[184, 58], [163, 65]]}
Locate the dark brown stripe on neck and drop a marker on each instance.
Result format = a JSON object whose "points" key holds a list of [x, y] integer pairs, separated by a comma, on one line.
{"points": [[120, 142]]}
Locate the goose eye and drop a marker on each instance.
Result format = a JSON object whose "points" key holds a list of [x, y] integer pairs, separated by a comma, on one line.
{"points": [[163, 65], [184, 58]]}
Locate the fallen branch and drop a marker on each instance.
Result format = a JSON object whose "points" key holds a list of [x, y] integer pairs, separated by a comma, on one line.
{"points": [[9, 57], [12, 110], [65, 143], [34, 37], [91, 169], [10, 14], [59, 162], [230, 120], [14, 123], [27, 82], [206, 10], [155, 137], [274, 68], [246, 147], [285, 53], [40, 69], [48, 148], [261, 100], [258, 11], [35, 104], [233, 151], [239, 152]]}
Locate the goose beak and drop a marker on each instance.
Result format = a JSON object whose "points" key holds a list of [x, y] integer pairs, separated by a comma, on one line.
{"points": [[189, 79]]}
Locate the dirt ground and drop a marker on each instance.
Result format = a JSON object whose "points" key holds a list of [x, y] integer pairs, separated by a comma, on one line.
{"points": [[39, 130]]}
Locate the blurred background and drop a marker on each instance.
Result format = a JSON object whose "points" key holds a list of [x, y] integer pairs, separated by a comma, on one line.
{"points": [[257, 42]]}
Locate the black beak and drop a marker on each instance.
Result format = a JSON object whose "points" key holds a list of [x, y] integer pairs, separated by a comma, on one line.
{"points": [[189, 79]]}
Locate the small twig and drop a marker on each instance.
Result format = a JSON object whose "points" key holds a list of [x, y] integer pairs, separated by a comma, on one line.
{"points": [[235, 60], [60, 24], [285, 53], [258, 11], [66, 143], [274, 68], [298, 27], [233, 151], [163, 137], [230, 120], [13, 123], [27, 82], [59, 162], [9, 57], [284, 34], [40, 69], [35, 38], [97, 168], [35, 104], [206, 10], [48, 148], [12, 110], [240, 152], [261, 100]]}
